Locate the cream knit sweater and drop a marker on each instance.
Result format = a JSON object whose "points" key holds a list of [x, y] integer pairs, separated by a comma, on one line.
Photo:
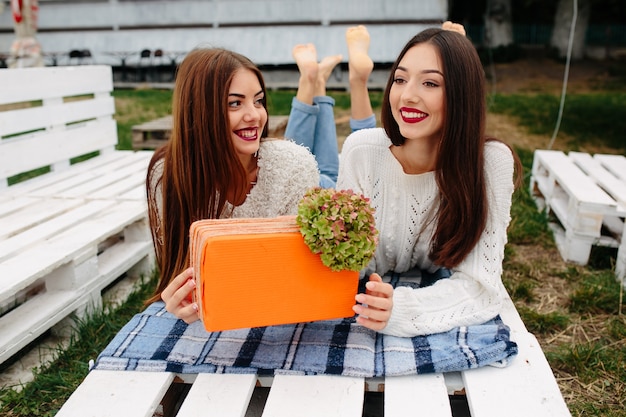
{"points": [[405, 205], [286, 171]]}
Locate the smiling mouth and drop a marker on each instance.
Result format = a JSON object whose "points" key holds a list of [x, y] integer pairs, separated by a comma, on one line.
{"points": [[412, 116], [247, 134]]}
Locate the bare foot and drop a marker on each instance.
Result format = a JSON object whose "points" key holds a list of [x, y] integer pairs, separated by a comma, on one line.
{"points": [[325, 68], [305, 55], [306, 59], [454, 27], [359, 62]]}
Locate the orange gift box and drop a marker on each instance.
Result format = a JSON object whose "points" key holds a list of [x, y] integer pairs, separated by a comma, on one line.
{"points": [[259, 272]]}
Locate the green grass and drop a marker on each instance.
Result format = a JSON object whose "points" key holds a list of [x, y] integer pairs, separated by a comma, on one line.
{"points": [[583, 335], [582, 332], [133, 107], [588, 119]]}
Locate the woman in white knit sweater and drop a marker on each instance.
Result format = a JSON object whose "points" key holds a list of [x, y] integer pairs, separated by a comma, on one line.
{"points": [[441, 190]]}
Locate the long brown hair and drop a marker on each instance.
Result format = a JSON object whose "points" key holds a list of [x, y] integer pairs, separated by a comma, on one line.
{"points": [[198, 166], [460, 176]]}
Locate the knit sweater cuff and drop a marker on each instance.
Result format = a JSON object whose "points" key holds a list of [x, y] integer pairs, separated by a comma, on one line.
{"points": [[401, 321]]}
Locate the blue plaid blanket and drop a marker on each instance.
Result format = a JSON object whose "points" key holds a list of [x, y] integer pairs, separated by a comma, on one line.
{"points": [[155, 340]]}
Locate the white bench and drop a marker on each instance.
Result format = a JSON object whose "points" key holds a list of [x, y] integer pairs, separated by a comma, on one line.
{"points": [[587, 194], [67, 234], [525, 388]]}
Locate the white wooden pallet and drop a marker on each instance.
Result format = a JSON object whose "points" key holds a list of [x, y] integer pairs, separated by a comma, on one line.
{"points": [[67, 234], [525, 388], [587, 194]]}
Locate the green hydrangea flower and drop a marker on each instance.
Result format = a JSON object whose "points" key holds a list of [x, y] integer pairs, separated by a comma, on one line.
{"points": [[338, 225]]}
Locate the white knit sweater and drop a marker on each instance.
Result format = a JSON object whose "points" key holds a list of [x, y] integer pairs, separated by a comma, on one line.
{"points": [[286, 171], [405, 205]]}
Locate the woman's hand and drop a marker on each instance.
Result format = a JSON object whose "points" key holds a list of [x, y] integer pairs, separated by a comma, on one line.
{"points": [[177, 297], [376, 304]]}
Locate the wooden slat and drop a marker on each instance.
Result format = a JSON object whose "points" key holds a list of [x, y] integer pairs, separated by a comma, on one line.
{"points": [[9, 205], [610, 183], [54, 82], [38, 185], [45, 230], [45, 148], [614, 163], [30, 320], [109, 184], [59, 114], [134, 184], [314, 396], [117, 394], [573, 180], [55, 183], [525, 388], [217, 395], [34, 214], [426, 393], [82, 240], [39, 313]]}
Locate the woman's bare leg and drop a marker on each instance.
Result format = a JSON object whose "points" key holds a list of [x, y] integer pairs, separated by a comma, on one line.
{"points": [[313, 76], [325, 68], [360, 67]]}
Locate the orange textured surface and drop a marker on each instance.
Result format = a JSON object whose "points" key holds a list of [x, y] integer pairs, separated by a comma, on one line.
{"points": [[261, 279]]}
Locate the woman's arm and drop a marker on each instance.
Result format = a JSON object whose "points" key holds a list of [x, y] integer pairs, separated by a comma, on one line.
{"points": [[474, 292]]}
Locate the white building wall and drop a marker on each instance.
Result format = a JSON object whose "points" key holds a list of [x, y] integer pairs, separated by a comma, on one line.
{"points": [[263, 30]]}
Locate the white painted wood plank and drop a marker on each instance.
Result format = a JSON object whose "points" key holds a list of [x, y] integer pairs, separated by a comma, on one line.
{"points": [[314, 396], [424, 395], [137, 193], [57, 183], [526, 387], [120, 258], [510, 315], [35, 214], [28, 119], [613, 185], [30, 320], [51, 227], [21, 270], [53, 82], [573, 180], [12, 204], [39, 313], [218, 395], [119, 189], [614, 163], [37, 186], [43, 148], [105, 185], [117, 394]]}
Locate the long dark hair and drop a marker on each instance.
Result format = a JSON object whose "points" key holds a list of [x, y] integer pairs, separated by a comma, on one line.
{"points": [[198, 167], [462, 213]]}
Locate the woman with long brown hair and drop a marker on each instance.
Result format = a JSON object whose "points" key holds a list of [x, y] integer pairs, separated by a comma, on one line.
{"points": [[441, 190], [217, 163]]}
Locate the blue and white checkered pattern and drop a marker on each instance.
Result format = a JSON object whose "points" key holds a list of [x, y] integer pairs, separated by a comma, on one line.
{"points": [[155, 340]]}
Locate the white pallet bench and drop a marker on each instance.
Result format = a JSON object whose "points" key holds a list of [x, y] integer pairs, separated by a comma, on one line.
{"points": [[526, 387], [587, 194], [69, 233]]}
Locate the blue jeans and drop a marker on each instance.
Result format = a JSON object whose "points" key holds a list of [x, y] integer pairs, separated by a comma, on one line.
{"points": [[313, 126]]}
